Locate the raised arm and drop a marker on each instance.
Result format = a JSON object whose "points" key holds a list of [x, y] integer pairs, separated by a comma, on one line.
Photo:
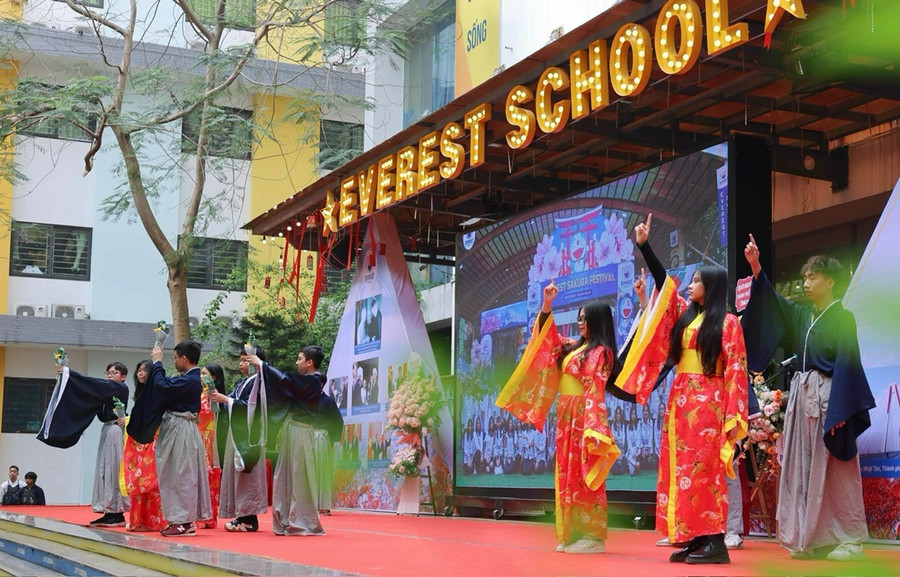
{"points": [[641, 238], [751, 253]]}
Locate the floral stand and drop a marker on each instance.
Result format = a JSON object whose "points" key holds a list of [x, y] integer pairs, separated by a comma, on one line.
{"points": [[409, 495]]}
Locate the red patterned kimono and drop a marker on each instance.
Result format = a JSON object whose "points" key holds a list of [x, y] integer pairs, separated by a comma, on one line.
{"points": [[206, 421], [585, 450], [142, 485], [705, 416]]}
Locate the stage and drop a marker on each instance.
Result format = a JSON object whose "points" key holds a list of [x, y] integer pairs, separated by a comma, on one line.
{"points": [[384, 544]]}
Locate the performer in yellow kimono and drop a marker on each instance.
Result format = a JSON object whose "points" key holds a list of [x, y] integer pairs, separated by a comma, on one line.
{"points": [[707, 408], [578, 370]]}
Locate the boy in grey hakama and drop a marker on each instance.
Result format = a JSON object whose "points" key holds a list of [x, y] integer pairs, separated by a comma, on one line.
{"points": [[172, 404], [180, 460], [307, 407]]}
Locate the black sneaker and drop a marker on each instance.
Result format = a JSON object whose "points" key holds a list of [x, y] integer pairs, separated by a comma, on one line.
{"points": [[99, 522], [248, 524], [111, 520]]}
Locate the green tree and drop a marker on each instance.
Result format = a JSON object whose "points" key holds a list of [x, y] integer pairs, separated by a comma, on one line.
{"points": [[146, 104]]}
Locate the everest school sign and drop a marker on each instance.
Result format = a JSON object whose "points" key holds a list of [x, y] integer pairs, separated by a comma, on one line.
{"points": [[622, 62]]}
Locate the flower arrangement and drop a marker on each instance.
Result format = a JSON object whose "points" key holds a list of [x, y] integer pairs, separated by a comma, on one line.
{"points": [[416, 403], [161, 333], [61, 358], [405, 462], [768, 426], [118, 407]]}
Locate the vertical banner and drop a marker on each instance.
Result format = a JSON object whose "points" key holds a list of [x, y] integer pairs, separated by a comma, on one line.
{"points": [[477, 42], [382, 338], [871, 297]]}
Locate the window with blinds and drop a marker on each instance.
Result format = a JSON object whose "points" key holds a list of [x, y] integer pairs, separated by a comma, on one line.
{"points": [[230, 133], [344, 23], [339, 142], [218, 263], [51, 251], [61, 129], [24, 403], [239, 14]]}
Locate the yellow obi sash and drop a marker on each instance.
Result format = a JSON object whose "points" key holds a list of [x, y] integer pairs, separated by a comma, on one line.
{"points": [[690, 361], [570, 384]]}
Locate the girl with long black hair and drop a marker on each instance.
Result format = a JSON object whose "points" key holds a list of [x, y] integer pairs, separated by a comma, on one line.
{"points": [[578, 370], [707, 406]]}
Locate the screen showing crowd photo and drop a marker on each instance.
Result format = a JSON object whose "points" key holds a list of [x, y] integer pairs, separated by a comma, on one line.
{"points": [[585, 244]]}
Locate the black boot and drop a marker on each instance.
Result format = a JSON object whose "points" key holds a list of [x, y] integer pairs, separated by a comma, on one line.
{"points": [[714, 551], [682, 554]]}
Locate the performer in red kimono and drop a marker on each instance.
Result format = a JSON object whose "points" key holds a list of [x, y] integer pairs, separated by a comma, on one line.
{"points": [[578, 371], [707, 408], [139, 472]]}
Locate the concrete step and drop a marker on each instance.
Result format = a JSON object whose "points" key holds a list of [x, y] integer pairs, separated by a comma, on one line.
{"points": [[42, 557], [11, 565], [99, 550]]}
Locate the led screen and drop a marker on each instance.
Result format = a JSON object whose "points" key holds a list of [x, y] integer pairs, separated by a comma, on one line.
{"points": [[585, 243]]}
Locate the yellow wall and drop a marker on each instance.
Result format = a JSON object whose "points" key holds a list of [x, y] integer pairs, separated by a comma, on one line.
{"points": [[7, 78], [11, 9], [281, 166]]}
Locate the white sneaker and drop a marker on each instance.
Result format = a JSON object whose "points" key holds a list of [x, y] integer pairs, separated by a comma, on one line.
{"points": [[733, 541], [561, 548], [847, 552], [586, 545]]}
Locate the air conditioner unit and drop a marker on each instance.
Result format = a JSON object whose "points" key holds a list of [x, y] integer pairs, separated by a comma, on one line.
{"points": [[68, 311], [194, 322], [358, 69], [83, 30], [32, 311]]}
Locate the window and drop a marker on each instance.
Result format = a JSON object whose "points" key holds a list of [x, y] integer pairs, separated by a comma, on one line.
{"points": [[48, 250], [343, 24], [338, 143], [24, 403], [230, 133], [218, 263], [61, 129], [87, 3], [429, 75], [240, 14]]}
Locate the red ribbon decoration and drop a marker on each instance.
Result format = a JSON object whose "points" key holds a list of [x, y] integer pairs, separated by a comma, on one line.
{"points": [[374, 246], [294, 279], [320, 275], [413, 439]]}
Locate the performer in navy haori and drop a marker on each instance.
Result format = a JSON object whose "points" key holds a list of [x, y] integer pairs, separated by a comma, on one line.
{"points": [[820, 502], [298, 399], [242, 431], [75, 401], [172, 404]]}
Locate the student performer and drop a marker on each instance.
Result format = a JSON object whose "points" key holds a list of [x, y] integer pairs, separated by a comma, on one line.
{"points": [[707, 406], [578, 371], [820, 502]]}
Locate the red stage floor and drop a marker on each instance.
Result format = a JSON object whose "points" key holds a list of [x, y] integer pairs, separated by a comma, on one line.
{"points": [[390, 545]]}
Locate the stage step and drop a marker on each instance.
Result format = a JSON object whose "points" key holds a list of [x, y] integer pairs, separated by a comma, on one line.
{"points": [[70, 549], [30, 555], [11, 565]]}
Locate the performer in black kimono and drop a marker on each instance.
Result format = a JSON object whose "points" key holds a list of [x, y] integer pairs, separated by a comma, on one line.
{"points": [[820, 503], [297, 399], [172, 404], [242, 433], [75, 401]]}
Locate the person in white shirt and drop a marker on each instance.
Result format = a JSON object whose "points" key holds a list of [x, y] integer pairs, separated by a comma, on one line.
{"points": [[14, 483]]}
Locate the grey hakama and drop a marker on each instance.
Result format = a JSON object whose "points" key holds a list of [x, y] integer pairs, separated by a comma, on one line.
{"points": [[820, 500], [324, 450], [181, 467], [107, 496], [294, 493], [242, 493]]}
